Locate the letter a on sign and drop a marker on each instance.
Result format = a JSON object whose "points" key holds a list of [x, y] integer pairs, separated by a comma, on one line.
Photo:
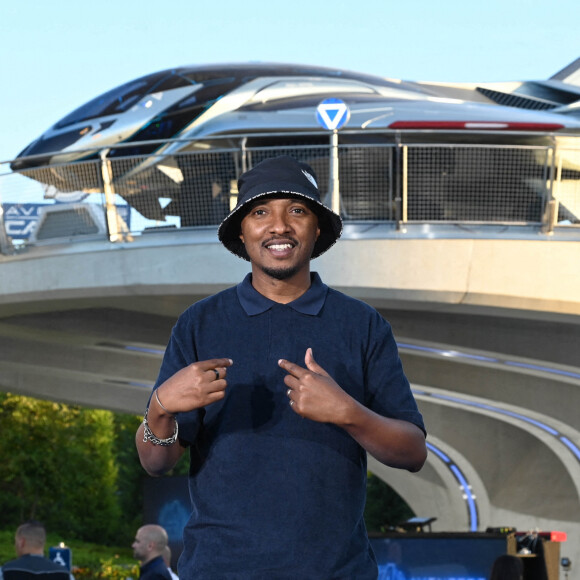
{"points": [[332, 114]]}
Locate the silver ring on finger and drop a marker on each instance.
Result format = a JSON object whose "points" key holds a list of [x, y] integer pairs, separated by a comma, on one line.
{"points": [[288, 392], [217, 374], [291, 403]]}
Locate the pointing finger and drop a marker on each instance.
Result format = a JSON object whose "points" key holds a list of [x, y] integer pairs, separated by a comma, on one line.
{"points": [[294, 369], [214, 363]]}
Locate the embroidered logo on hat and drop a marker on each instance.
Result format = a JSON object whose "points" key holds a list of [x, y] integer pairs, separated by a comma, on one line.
{"points": [[310, 178]]}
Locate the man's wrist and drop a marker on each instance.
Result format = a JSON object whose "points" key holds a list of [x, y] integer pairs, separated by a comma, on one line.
{"points": [[148, 435], [162, 406]]}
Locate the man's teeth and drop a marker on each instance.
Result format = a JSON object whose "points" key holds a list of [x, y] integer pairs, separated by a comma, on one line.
{"points": [[279, 247]]}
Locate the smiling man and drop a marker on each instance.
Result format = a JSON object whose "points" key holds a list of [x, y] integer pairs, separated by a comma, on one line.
{"points": [[279, 387]]}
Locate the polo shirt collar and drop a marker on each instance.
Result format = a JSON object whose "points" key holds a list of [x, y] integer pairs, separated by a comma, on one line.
{"points": [[310, 302]]}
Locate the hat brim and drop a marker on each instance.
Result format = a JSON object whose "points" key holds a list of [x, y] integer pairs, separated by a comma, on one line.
{"points": [[330, 223]]}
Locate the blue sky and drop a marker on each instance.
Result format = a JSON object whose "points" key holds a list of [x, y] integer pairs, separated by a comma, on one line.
{"points": [[54, 56]]}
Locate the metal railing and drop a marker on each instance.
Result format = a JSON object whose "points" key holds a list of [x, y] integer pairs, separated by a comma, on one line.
{"points": [[402, 179]]}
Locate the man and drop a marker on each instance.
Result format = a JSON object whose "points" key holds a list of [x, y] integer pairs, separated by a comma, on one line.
{"points": [[279, 386], [148, 547], [29, 542]]}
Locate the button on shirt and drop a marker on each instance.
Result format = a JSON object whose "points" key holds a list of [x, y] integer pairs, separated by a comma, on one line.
{"points": [[276, 495]]}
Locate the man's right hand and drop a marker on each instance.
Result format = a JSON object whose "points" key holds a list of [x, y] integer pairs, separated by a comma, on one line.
{"points": [[194, 386]]}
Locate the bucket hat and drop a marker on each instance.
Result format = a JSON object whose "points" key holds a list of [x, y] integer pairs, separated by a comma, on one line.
{"points": [[279, 177]]}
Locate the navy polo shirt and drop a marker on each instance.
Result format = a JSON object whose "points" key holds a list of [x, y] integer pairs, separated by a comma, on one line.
{"points": [[275, 495]]}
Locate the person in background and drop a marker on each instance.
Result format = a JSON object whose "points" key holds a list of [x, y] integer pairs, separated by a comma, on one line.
{"points": [[507, 567], [167, 560], [29, 542], [148, 547]]}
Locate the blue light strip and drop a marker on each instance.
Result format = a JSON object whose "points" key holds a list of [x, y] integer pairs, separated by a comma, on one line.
{"points": [[571, 446], [561, 438], [498, 410], [447, 353], [458, 354], [469, 497], [438, 452], [137, 384], [512, 363], [460, 477], [544, 369], [144, 349]]}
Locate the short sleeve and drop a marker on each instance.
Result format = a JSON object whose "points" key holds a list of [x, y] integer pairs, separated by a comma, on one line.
{"points": [[181, 352], [388, 391]]}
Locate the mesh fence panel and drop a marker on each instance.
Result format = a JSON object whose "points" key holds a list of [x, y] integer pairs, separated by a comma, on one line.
{"points": [[465, 183], [209, 187], [567, 186], [189, 189], [315, 156], [451, 182], [366, 182], [81, 176], [365, 176]]}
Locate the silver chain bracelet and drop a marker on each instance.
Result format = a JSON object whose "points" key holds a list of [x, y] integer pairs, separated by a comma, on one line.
{"points": [[149, 436]]}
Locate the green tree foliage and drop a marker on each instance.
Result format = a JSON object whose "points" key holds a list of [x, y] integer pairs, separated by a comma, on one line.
{"points": [[130, 476], [58, 466], [385, 508]]}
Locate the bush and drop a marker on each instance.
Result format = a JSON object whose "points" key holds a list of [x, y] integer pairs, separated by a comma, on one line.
{"points": [[385, 508], [65, 465], [107, 570]]}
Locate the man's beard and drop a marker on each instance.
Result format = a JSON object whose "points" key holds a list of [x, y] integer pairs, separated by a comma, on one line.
{"points": [[280, 273]]}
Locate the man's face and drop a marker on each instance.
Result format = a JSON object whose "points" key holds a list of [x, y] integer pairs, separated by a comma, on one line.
{"points": [[140, 547], [279, 236]]}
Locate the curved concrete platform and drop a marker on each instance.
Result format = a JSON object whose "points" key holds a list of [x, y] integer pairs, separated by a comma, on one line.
{"points": [[509, 447], [535, 277]]}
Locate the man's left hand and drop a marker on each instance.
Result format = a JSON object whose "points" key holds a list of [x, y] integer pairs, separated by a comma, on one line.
{"points": [[313, 393]]}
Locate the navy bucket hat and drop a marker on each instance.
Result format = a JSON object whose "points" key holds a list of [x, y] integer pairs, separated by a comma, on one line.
{"points": [[279, 177]]}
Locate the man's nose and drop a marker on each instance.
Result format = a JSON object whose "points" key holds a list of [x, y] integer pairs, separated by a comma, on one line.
{"points": [[279, 222]]}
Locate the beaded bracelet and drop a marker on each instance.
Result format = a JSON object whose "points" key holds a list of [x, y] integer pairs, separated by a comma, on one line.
{"points": [[149, 436]]}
